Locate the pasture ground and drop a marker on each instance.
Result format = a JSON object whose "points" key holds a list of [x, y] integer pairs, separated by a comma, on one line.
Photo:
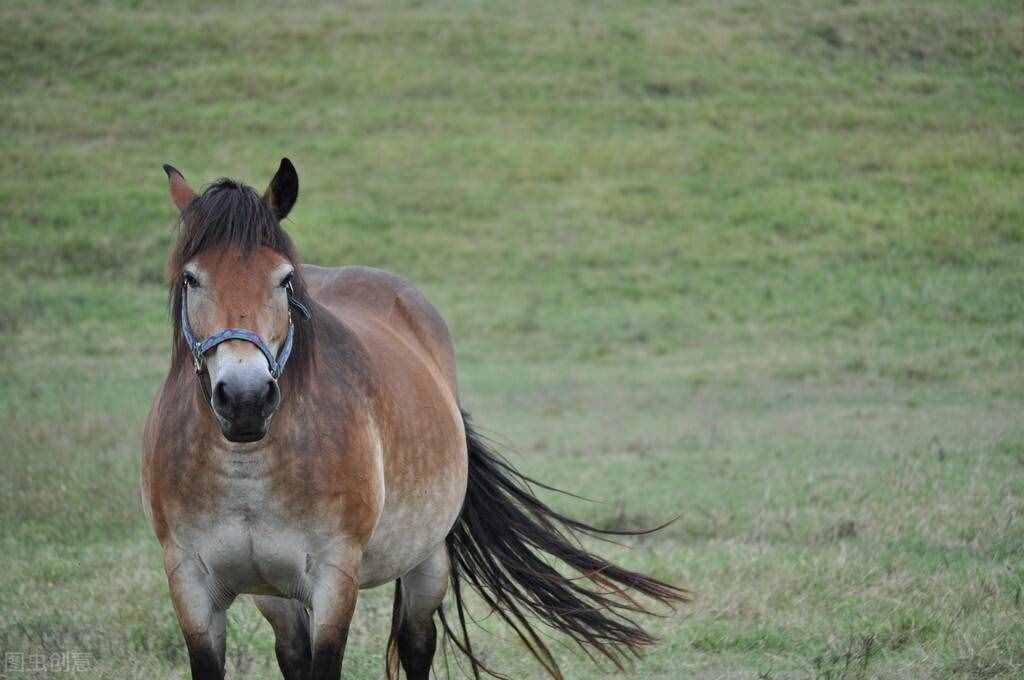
{"points": [[756, 264]]}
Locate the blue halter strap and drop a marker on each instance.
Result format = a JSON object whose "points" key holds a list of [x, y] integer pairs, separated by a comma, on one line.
{"points": [[200, 348]]}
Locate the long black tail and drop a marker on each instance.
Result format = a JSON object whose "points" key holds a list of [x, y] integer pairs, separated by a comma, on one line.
{"points": [[498, 546]]}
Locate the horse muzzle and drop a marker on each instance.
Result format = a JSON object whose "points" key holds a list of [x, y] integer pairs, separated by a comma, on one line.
{"points": [[244, 406]]}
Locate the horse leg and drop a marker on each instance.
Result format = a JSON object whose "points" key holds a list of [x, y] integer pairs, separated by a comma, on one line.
{"points": [[290, 622], [203, 620], [332, 601], [418, 595]]}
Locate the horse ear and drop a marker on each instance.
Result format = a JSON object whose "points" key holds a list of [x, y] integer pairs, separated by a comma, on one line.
{"points": [[181, 192], [283, 190]]}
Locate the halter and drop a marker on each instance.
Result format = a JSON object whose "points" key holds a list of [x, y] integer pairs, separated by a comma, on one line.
{"points": [[200, 348]]}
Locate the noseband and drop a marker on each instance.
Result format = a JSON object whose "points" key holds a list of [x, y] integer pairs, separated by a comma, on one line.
{"points": [[200, 348]]}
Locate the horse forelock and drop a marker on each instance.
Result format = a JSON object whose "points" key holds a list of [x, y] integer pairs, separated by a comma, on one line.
{"points": [[232, 215]]}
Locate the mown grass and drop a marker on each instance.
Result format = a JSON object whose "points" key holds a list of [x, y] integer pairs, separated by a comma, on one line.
{"points": [[754, 264]]}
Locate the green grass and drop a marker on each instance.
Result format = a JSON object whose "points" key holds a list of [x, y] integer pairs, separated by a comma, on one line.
{"points": [[756, 264]]}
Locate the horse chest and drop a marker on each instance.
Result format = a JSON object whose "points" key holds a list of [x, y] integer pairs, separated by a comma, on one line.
{"points": [[246, 540]]}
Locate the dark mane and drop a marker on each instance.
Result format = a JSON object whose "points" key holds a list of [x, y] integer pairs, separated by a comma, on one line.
{"points": [[231, 214]]}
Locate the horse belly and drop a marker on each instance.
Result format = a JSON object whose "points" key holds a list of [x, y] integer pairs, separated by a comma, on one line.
{"points": [[416, 519]]}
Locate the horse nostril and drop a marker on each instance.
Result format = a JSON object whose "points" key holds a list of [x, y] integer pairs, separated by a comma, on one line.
{"points": [[221, 399]]}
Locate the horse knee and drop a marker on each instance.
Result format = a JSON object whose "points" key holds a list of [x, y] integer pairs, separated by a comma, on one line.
{"points": [[328, 651]]}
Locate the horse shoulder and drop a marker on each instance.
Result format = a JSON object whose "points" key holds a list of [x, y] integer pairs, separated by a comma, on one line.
{"points": [[391, 299]]}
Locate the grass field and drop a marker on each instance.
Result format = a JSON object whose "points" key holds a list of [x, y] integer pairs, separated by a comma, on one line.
{"points": [[756, 264]]}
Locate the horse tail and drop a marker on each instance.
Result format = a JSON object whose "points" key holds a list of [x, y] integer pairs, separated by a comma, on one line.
{"points": [[500, 546]]}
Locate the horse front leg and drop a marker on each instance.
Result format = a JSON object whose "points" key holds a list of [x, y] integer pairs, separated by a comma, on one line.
{"points": [[334, 587], [290, 622], [202, 615]]}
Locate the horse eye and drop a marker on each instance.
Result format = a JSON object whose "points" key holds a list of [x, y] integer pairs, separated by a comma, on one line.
{"points": [[190, 280], [286, 280]]}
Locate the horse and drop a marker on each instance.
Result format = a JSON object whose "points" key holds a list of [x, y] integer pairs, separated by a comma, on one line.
{"points": [[309, 441]]}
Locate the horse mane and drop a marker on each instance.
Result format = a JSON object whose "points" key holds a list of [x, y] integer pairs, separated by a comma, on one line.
{"points": [[229, 213]]}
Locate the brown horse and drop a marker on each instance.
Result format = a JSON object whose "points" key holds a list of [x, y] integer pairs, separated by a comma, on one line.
{"points": [[348, 466]]}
